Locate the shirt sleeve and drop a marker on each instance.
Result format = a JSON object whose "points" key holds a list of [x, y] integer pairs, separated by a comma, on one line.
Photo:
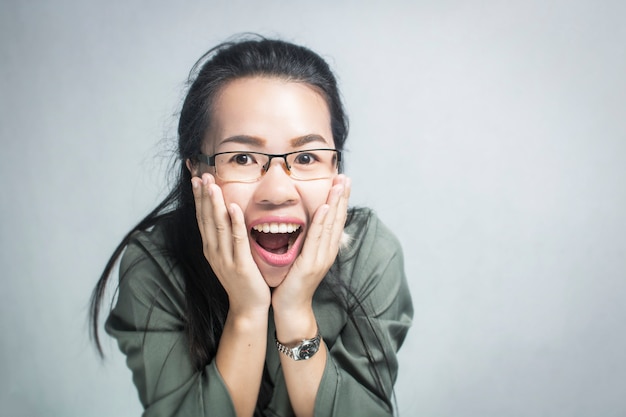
{"points": [[352, 384], [148, 323]]}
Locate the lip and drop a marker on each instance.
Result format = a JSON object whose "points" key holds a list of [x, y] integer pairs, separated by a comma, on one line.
{"points": [[275, 259]]}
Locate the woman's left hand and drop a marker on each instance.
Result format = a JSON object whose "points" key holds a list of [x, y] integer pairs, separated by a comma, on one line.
{"points": [[318, 253]]}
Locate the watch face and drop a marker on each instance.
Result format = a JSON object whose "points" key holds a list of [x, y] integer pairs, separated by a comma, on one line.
{"points": [[307, 350]]}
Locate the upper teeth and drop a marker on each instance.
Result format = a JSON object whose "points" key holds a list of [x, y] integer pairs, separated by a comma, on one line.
{"points": [[276, 227]]}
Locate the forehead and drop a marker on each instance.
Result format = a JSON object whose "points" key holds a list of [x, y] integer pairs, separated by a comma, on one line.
{"points": [[274, 110]]}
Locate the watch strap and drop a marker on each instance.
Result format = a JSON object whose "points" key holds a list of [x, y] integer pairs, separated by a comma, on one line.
{"points": [[312, 346]]}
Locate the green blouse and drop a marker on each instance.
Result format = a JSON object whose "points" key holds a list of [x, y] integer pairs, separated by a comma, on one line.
{"points": [[148, 323]]}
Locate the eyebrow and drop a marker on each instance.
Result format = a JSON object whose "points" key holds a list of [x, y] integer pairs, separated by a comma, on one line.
{"points": [[258, 142], [244, 140], [303, 140]]}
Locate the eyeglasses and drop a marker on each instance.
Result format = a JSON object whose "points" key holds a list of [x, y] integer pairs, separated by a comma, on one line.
{"points": [[244, 166]]}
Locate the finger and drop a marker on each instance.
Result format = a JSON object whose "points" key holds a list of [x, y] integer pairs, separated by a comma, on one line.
{"points": [[241, 244], [334, 220], [197, 186], [220, 220], [205, 214], [314, 234], [342, 211], [325, 230]]}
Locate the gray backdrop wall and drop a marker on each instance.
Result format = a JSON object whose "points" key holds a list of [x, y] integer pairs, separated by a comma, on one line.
{"points": [[489, 136]]}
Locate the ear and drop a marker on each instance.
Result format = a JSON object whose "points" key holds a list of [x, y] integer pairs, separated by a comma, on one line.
{"points": [[192, 167]]}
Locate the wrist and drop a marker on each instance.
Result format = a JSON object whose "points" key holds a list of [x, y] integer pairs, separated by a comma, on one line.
{"points": [[247, 320], [247, 309], [293, 326], [292, 307]]}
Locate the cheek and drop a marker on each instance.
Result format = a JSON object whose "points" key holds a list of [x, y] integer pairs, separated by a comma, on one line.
{"points": [[237, 193], [314, 194]]}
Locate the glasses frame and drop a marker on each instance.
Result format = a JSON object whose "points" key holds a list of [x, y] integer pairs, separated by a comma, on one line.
{"points": [[210, 161]]}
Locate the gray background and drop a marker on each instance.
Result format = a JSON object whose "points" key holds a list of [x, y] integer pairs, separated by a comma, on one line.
{"points": [[488, 135]]}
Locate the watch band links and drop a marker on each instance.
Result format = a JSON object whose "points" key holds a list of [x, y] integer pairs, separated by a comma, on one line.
{"points": [[312, 346]]}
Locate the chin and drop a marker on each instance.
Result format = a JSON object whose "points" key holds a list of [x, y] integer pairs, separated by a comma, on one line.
{"points": [[274, 276]]}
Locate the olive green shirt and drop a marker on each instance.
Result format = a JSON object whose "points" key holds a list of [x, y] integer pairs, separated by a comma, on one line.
{"points": [[148, 323]]}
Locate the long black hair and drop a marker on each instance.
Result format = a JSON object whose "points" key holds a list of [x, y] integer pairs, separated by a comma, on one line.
{"points": [[206, 300]]}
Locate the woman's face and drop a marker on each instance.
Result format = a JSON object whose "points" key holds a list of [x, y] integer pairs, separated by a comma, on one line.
{"points": [[270, 115]]}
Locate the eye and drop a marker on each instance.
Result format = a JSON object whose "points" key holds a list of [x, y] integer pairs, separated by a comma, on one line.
{"points": [[242, 159], [305, 158]]}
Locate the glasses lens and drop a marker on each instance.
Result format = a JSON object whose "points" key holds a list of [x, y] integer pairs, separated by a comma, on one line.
{"points": [[313, 164], [240, 166]]}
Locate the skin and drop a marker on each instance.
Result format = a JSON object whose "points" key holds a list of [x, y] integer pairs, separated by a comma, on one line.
{"points": [[273, 116]]}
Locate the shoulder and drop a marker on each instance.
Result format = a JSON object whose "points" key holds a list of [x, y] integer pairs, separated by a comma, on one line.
{"points": [[368, 235], [373, 259], [370, 271], [146, 247], [148, 270]]}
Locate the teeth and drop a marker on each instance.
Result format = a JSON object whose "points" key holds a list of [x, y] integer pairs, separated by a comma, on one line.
{"points": [[276, 227]]}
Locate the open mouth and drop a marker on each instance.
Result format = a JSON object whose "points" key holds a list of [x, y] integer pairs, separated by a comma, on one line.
{"points": [[276, 238]]}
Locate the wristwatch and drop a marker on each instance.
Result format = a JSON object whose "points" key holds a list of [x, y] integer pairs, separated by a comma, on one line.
{"points": [[304, 350]]}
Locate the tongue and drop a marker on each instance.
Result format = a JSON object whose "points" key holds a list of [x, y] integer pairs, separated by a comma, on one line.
{"points": [[274, 242]]}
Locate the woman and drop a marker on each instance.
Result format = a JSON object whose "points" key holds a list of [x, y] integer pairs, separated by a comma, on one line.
{"points": [[252, 289]]}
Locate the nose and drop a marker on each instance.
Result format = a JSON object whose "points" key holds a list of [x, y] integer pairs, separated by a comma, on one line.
{"points": [[276, 187]]}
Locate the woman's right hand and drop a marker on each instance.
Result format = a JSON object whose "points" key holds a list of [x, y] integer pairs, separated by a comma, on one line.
{"points": [[226, 246]]}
